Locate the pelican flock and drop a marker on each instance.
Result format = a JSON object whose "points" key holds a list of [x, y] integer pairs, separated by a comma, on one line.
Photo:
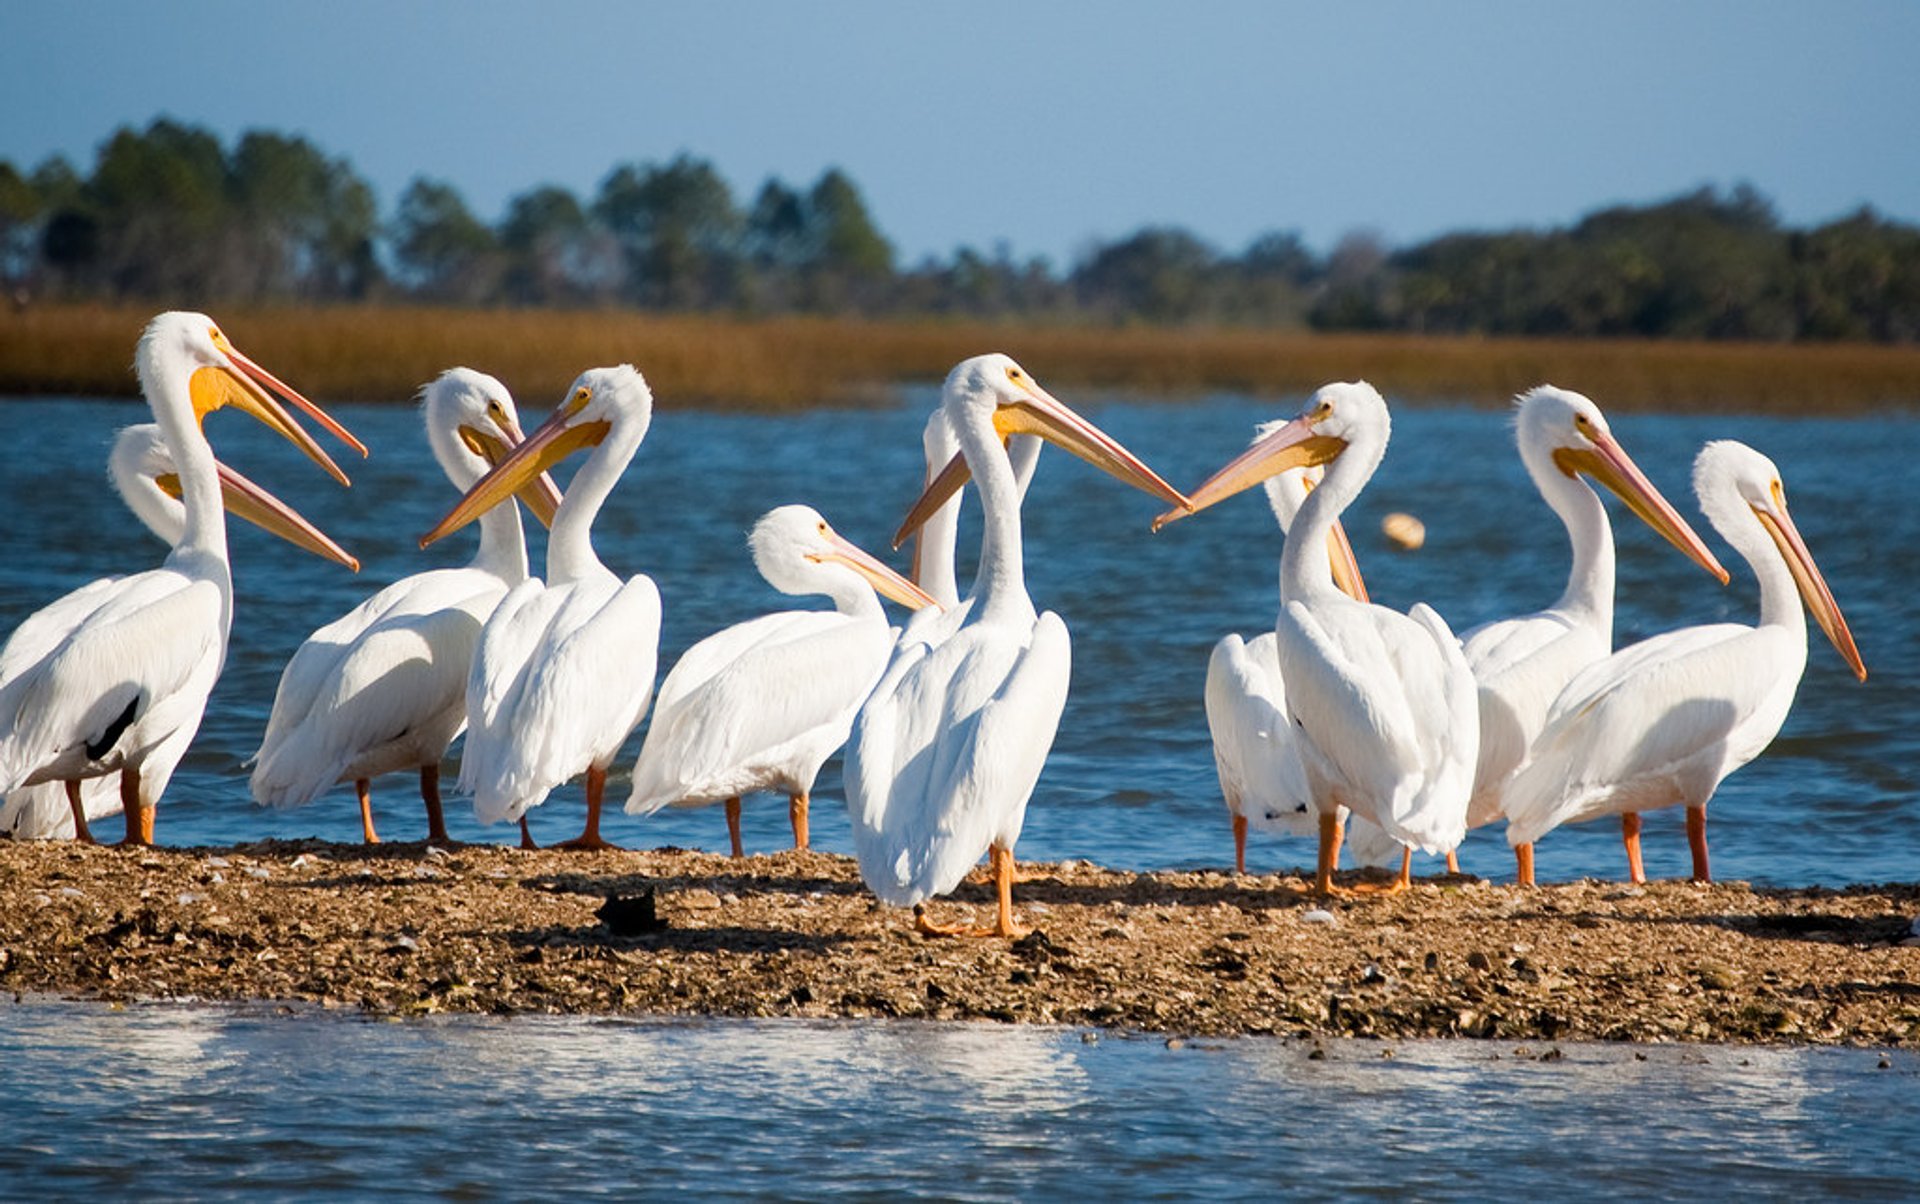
{"points": [[1345, 709]]}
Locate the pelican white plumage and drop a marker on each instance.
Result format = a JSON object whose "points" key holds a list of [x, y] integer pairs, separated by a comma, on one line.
{"points": [[115, 676], [946, 751], [761, 705], [1521, 664], [935, 543], [1663, 722], [383, 687], [141, 470], [565, 667], [1254, 751], [1383, 703]]}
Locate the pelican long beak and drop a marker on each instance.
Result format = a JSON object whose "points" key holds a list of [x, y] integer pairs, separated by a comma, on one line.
{"points": [[1608, 463], [540, 495], [882, 578], [1813, 587], [1295, 445], [1037, 412], [246, 500], [555, 439], [1346, 570], [248, 387]]}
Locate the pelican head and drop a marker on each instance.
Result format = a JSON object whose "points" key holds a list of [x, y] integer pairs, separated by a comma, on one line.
{"points": [[600, 402], [473, 425], [1560, 430], [1730, 479], [1339, 415], [993, 392], [219, 375], [144, 475], [792, 546]]}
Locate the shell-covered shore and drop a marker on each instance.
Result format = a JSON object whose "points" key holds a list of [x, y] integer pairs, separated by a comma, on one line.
{"points": [[405, 930]]}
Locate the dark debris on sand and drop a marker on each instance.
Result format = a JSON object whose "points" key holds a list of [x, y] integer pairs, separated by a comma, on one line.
{"points": [[404, 930]]}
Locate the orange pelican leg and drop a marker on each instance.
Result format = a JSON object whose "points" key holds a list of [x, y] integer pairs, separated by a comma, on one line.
{"points": [[81, 832], [364, 788], [1000, 861], [733, 826], [797, 813], [590, 839], [139, 817], [1523, 861], [430, 795], [1329, 856], [1453, 861], [1697, 841], [1239, 843], [1630, 835]]}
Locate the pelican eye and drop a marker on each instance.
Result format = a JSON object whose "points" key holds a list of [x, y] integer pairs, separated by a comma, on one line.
{"points": [[1013, 374], [1779, 493]]}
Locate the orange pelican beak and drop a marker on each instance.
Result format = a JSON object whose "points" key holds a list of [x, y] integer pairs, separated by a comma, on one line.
{"points": [[882, 578], [1608, 463], [246, 500], [247, 386], [1806, 575], [1295, 445], [539, 495], [1037, 412], [553, 441]]}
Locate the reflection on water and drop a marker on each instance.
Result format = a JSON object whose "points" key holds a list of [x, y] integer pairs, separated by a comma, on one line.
{"points": [[1130, 782], [200, 1101]]}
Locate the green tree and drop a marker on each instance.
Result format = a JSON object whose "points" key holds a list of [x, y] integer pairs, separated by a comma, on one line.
{"points": [[679, 231], [443, 251], [554, 251]]}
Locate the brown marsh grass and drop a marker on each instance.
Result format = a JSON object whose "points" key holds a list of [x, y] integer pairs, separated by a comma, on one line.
{"points": [[384, 353]]}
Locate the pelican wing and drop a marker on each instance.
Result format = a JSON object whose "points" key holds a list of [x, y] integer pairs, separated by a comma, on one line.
{"points": [[388, 677], [734, 710], [1379, 700], [1521, 666], [144, 659], [1655, 724], [947, 752], [43, 630], [1254, 749], [562, 676]]}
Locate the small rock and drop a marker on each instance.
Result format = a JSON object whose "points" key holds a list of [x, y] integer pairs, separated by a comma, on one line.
{"points": [[1319, 915], [1717, 977], [1914, 928], [69, 892], [259, 871], [1479, 961], [187, 898], [434, 852], [1521, 947], [403, 944], [1176, 1043], [1086, 1038], [631, 915], [1886, 1063], [301, 862], [698, 900], [218, 863]]}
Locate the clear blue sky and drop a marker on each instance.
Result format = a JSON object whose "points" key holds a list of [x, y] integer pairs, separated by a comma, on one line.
{"points": [[1044, 125]]}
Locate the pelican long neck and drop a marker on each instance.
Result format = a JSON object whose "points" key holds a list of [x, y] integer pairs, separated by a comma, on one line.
{"points": [[166, 387], [1306, 573], [503, 544], [851, 595], [934, 548], [1589, 589], [1000, 584], [570, 544]]}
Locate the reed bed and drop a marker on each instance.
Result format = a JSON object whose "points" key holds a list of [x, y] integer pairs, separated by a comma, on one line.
{"points": [[374, 353]]}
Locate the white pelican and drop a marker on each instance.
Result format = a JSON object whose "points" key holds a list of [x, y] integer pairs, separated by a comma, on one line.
{"points": [[761, 705], [141, 471], [935, 541], [118, 673], [1383, 703], [948, 748], [383, 687], [1663, 722], [565, 667], [1254, 752], [1522, 664]]}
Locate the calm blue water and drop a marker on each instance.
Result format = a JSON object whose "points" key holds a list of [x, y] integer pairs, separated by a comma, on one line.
{"points": [[1130, 782], [194, 1102]]}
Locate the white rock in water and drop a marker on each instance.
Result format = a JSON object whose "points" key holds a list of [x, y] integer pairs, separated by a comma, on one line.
{"points": [[1403, 531]]}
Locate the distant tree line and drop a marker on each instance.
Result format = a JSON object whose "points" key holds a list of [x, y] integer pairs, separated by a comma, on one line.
{"points": [[168, 213]]}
